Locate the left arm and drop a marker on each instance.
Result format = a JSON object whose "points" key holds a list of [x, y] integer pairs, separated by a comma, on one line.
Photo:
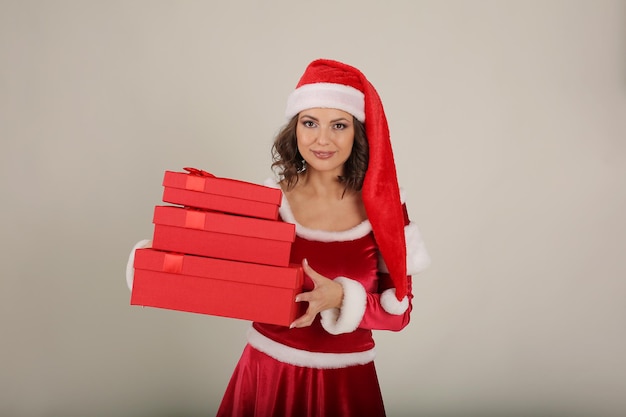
{"points": [[345, 305]]}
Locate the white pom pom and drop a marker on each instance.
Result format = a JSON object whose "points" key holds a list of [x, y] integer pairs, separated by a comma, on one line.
{"points": [[391, 304]]}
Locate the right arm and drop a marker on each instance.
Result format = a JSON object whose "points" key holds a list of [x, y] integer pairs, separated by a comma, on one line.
{"points": [[130, 270]]}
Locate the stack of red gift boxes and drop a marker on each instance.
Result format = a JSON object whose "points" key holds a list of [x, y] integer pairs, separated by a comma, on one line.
{"points": [[220, 251]]}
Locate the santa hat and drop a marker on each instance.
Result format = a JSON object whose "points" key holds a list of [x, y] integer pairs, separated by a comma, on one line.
{"points": [[332, 84]]}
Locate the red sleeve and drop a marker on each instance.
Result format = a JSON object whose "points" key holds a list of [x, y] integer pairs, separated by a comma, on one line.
{"points": [[376, 317]]}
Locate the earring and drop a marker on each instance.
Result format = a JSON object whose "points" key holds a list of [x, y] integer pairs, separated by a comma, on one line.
{"points": [[302, 167]]}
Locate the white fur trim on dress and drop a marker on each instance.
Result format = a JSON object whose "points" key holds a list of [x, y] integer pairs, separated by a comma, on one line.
{"points": [[417, 258], [305, 358], [357, 232], [130, 269], [326, 95], [390, 303], [347, 318]]}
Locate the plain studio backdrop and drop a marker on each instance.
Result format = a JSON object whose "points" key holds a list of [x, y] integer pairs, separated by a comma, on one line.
{"points": [[508, 121]]}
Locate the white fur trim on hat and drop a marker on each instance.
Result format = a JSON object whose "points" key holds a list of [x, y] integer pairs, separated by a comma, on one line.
{"points": [[390, 303], [298, 357], [347, 318], [417, 258], [327, 95], [130, 269]]}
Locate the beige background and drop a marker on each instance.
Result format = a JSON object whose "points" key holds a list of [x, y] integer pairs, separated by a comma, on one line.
{"points": [[508, 120]]}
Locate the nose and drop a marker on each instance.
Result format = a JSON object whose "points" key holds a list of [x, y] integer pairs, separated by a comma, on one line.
{"points": [[323, 138]]}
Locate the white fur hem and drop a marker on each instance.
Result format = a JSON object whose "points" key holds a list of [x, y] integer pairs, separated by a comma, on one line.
{"points": [[417, 258], [348, 317], [390, 303], [130, 268], [304, 358]]}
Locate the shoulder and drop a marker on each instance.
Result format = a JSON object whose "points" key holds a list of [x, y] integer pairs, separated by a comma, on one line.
{"points": [[271, 182], [418, 258]]}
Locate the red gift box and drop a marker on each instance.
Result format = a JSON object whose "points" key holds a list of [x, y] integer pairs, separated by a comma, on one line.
{"points": [[219, 235], [203, 190], [217, 287]]}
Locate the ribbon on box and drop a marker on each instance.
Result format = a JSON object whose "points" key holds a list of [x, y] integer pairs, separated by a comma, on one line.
{"points": [[173, 263], [196, 179], [198, 172], [195, 219]]}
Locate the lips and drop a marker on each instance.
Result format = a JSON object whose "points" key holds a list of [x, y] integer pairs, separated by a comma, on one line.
{"points": [[322, 155]]}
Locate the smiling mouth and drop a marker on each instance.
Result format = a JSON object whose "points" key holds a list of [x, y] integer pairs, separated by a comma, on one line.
{"points": [[323, 155]]}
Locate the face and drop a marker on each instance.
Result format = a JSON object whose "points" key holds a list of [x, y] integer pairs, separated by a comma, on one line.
{"points": [[325, 138]]}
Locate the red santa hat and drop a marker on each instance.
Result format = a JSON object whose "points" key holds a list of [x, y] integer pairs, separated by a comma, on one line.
{"points": [[331, 84]]}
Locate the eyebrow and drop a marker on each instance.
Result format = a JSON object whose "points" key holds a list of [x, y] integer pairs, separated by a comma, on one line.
{"points": [[332, 121]]}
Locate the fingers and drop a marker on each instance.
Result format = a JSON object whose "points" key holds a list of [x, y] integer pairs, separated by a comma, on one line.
{"points": [[311, 273], [325, 294], [307, 318], [303, 321]]}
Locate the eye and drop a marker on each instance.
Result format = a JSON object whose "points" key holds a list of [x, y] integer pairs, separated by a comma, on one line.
{"points": [[339, 126], [308, 123]]}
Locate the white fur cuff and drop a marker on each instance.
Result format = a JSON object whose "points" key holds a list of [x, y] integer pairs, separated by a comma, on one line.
{"points": [[347, 319], [417, 258], [390, 303], [130, 269]]}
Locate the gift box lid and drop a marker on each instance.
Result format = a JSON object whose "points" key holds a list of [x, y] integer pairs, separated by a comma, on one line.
{"points": [[224, 223], [202, 181], [247, 273]]}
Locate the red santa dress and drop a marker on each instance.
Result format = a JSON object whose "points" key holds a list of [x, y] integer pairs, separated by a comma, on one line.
{"points": [[326, 369]]}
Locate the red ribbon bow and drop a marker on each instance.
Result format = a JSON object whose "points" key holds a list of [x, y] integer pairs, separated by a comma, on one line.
{"points": [[198, 172]]}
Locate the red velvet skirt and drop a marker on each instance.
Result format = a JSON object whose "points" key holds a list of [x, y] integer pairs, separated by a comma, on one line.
{"points": [[261, 386]]}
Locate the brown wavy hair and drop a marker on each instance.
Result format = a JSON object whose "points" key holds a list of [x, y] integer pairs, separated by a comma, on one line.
{"points": [[288, 161]]}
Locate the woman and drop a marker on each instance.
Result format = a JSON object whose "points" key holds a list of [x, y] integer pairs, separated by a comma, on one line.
{"points": [[357, 248]]}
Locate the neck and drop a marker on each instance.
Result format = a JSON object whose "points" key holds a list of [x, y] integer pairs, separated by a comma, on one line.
{"points": [[322, 184]]}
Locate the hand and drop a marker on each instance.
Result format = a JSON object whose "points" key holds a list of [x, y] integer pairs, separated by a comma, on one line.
{"points": [[326, 294]]}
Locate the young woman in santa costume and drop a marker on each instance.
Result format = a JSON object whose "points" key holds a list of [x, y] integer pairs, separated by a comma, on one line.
{"points": [[357, 247]]}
